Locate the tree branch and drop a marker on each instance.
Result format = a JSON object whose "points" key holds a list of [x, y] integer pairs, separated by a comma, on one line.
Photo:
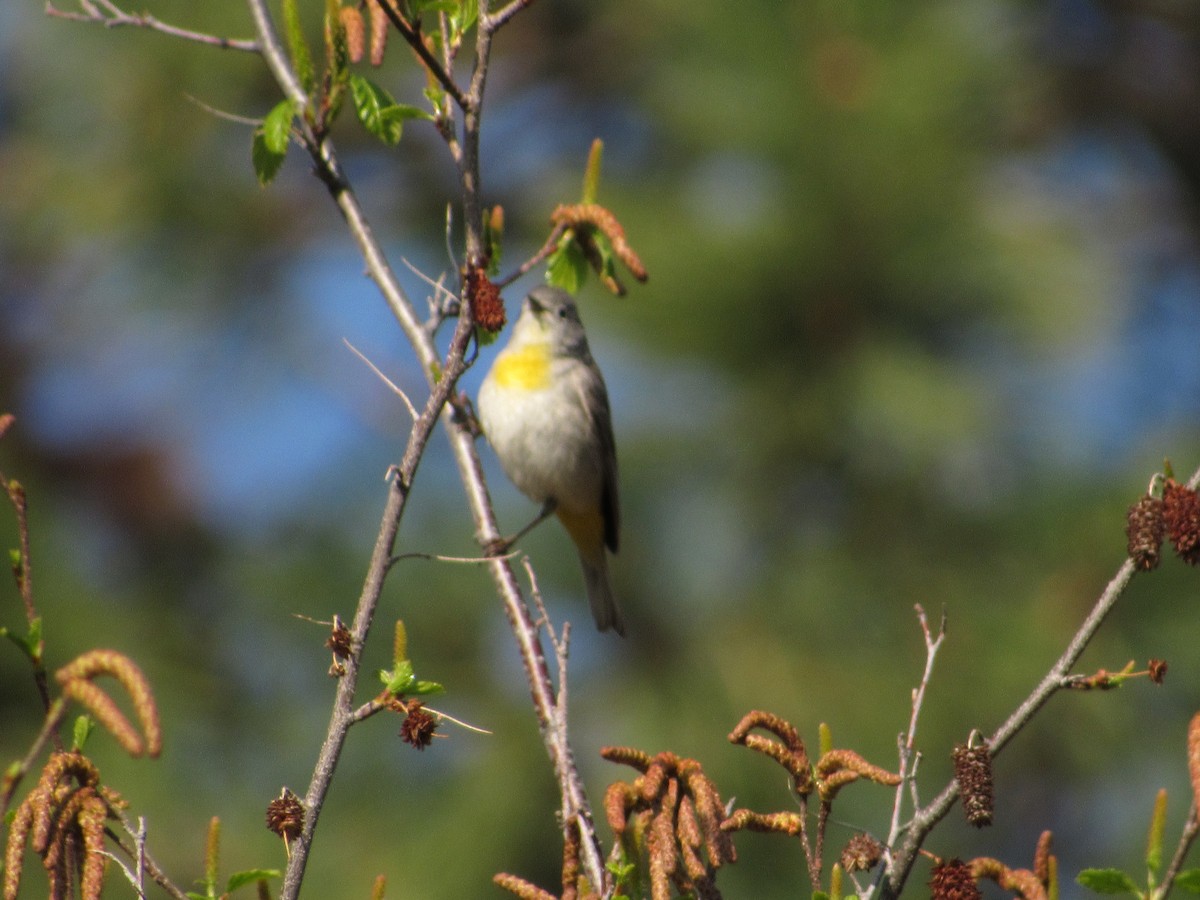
{"points": [[412, 34], [141, 858], [117, 17], [926, 818], [443, 376], [909, 758], [498, 19], [1191, 829]]}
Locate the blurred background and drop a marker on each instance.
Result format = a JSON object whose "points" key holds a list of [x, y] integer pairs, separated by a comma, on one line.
{"points": [[922, 320]]}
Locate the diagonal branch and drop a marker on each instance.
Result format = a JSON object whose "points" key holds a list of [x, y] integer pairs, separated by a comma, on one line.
{"points": [[1191, 829], [412, 34], [927, 817], [500, 17], [117, 17]]}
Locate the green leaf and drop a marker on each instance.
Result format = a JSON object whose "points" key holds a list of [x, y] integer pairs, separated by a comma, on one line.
{"points": [[400, 679], [31, 643], [567, 266], [79, 735], [608, 264], [422, 6], [266, 162], [297, 46], [250, 876], [591, 175], [277, 126], [1158, 823], [620, 868], [1188, 880], [192, 895], [402, 682], [34, 638], [271, 141], [380, 114], [337, 59], [1107, 881], [464, 15], [435, 94], [424, 688]]}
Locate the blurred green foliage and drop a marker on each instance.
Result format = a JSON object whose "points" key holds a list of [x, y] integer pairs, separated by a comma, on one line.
{"points": [[871, 260]]}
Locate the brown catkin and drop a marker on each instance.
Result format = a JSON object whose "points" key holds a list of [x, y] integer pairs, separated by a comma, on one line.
{"points": [[379, 31], [352, 22], [1145, 528], [973, 772], [952, 880], [1181, 515]]}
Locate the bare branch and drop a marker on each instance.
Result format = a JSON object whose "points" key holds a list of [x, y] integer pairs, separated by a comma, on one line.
{"points": [[443, 375], [412, 34], [250, 121], [462, 560], [500, 17], [1191, 829], [138, 853], [117, 18], [274, 55], [412, 410], [926, 818], [909, 758], [546, 249]]}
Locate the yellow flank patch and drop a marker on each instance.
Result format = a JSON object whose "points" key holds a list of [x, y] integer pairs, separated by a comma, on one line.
{"points": [[527, 368], [586, 530]]}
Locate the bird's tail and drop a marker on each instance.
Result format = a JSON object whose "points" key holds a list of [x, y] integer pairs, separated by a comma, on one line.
{"points": [[600, 595], [587, 532]]}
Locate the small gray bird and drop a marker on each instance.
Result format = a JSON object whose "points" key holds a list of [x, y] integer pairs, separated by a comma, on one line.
{"points": [[544, 409]]}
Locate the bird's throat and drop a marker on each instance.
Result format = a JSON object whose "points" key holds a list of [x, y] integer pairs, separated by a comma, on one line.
{"points": [[525, 369]]}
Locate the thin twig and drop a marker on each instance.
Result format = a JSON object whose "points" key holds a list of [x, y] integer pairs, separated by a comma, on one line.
{"points": [[1191, 829], [442, 294], [117, 18], [395, 389], [464, 560], [906, 741], [412, 35], [544, 251], [20, 504], [144, 860], [251, 121], [501, 16], [139, 839], [14, 775], [136, 876], [126, 871], [572, 816], [275, 56], [459, 722], [372, 707]]}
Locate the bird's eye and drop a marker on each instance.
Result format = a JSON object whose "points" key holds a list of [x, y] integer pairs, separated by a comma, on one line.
{"points": [[562, 313]]}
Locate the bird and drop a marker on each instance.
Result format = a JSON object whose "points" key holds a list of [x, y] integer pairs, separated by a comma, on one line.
{"points": [[544, 409]]}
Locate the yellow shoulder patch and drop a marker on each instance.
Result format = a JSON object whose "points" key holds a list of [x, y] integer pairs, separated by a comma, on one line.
{"points": [[526, 369]]}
